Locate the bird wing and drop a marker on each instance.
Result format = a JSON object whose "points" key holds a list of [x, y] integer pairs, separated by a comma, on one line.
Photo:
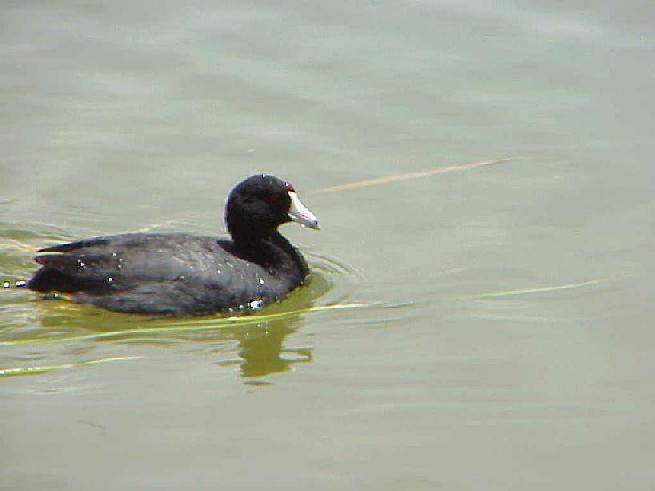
{"points": [[113, 263]]}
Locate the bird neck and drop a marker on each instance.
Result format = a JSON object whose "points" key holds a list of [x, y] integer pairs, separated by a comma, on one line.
{"points": [[272, 251]]}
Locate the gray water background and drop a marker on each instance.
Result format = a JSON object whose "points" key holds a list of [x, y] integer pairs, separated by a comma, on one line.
{"points": [[508, 338]]}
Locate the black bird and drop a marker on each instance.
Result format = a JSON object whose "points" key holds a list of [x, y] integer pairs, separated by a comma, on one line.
{"points": [[181, 274]]}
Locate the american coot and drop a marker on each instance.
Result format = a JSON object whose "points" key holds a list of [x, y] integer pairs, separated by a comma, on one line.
{"points": [[181, 274]]}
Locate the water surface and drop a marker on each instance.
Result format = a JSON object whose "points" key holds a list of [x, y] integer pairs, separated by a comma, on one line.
{"points": [[505, 340]]}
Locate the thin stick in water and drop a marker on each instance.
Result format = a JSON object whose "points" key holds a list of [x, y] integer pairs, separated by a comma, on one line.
{"points": [[404, 177]]}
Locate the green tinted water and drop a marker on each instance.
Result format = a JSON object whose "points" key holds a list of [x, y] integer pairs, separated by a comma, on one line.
{"points": [[505, 336]]}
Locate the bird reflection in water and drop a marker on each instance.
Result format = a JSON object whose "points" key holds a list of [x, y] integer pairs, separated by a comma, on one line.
{"points": [[262, 352], [260, 338]]}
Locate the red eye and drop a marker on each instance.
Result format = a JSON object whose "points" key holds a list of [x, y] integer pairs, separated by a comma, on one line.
{"points": [[289, 187]]}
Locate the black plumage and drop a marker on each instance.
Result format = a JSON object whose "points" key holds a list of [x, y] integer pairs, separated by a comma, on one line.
{"points": [[182, 274]]}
